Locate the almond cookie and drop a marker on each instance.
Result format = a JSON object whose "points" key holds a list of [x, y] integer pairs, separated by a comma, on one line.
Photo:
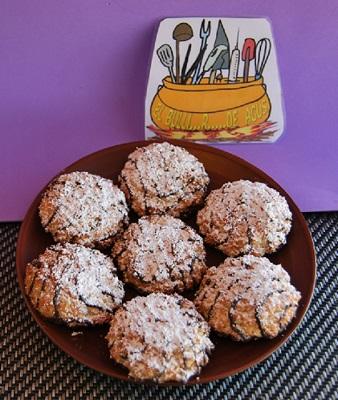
{"points": [[245, 217], [163, 179], [160, 254], [247, 298], [159, 337], [74, 285], [83, 208]]}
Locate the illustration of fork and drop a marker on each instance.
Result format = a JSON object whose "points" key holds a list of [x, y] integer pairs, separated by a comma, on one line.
{"points": [[204, 34]]}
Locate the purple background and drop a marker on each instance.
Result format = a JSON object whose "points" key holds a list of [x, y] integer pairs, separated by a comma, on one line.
{"points": [[73, 77]]}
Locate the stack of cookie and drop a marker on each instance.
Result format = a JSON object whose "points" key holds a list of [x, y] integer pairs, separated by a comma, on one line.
{"points": [[160, 335]]}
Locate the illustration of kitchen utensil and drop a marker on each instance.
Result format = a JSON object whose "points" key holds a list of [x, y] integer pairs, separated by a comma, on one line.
{"points": [[219, 61], [185, 63], [166, 56], [194, 65], [222, 39], [219, 78], [248, 54], [204, 34], [234, 62], [181, 33], [211, 60], [212, 76], [263, 50]]}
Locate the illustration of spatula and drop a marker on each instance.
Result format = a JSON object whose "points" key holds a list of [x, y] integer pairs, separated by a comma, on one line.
{"points": [[248, 54], [166, 56]]}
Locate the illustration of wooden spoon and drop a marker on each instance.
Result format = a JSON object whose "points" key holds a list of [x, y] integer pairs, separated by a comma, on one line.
{"points": [[181, 33]]}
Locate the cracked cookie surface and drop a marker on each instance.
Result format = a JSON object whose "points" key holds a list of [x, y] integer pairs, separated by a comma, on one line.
{"points": [[247, 298], [244, 217], [159, 337], [74, 285], [163, 179], [83, 208], [160, 254]]}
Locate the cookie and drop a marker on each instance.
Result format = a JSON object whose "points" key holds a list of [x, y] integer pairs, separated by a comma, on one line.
{"points": [[163, 179], [245, 217], [160, 254], [160, 338], [74, 285], [83, 208], [247, 298]]}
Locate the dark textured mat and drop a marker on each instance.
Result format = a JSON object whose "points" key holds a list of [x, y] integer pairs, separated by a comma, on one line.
{"points": [[304, 368]]}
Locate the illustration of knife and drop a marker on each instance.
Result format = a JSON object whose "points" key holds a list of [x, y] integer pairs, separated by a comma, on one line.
{"points": [[221, 39]]}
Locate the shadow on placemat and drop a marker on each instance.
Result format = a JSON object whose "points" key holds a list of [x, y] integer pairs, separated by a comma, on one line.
{"points": [[304, 368]]}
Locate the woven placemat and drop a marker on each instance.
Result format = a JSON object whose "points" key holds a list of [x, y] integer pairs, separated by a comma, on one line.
{"points": [[304, 368]]}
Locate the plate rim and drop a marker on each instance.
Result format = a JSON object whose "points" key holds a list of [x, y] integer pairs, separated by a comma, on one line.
{"points": [[204, 147]]}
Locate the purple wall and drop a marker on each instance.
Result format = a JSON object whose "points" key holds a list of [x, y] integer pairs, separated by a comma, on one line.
{"points": [[73, 76]]}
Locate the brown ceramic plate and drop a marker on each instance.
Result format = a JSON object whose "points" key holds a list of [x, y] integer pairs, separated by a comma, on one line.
{"points": [[229, 357]]}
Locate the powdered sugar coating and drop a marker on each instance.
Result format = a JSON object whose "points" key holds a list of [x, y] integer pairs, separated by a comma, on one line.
{"points": [[162, 254], [83, 208], [245, 217], [163, 179], [159, 337], [247, 298], [73, 284]]}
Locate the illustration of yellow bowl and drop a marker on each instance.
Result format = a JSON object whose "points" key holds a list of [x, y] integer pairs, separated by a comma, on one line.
{"points": [[207, 106]]}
